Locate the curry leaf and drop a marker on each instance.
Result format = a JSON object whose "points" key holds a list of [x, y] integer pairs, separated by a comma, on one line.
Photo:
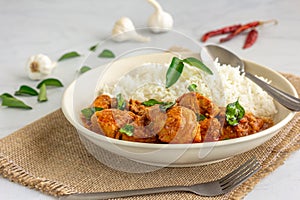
{"points": [[106, 54], [6, 95], [69, 55], [151, 102], [127, 129], [12, 102], [197, 63], [166, 105], [84, 69], [121, 103], [88, 112], [43, 93], [26, 90], [234, 112], [50, 82], [93, 48], [176, 67], [174, 71], [192, 87]]}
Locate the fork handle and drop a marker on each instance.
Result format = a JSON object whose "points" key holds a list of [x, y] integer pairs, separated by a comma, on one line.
{"points": [[125, 193]]}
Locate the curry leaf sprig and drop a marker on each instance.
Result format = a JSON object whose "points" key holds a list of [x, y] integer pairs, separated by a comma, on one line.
{"points": [[176, 67]]}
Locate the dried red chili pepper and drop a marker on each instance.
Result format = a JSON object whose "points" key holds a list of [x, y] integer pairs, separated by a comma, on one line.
{"points": [[250, 39], [224, 30], [245, 27]]}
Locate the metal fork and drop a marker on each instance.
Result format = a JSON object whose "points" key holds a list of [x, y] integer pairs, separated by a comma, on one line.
{"points": [[213, 188]]}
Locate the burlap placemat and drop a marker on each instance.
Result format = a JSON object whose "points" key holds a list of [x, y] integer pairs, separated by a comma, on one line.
{"points": [[47, 155]]}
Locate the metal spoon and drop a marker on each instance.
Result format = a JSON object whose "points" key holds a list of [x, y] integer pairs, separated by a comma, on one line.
{"points": [[227, 57]]}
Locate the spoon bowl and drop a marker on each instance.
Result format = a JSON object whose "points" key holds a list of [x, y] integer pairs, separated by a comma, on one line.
{"points": [[227, 57]]}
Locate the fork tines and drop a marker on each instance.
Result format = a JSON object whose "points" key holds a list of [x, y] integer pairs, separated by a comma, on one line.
{"points": [[239, 175]]}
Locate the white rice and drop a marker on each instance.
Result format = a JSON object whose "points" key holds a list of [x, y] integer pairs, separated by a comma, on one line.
{"points": [[148, 82]]}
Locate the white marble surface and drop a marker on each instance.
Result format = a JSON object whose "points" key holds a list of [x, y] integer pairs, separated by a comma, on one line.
{"points": [[54, 27]]}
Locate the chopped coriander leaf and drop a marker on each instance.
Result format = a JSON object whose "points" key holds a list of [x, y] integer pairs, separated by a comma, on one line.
{"points": [[43, 93], [127, 129], [106, 54], [88, 112], [26, 90], [151, 102], [84, 69], [121, 103], [69, 55], [12, 102], [192, 87], [50, 82], [234, 113]]}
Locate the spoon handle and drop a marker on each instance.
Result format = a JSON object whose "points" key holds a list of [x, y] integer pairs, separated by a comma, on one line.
{"points": [[283, 98]]}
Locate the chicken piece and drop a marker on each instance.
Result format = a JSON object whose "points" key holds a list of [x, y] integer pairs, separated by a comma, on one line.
{"points": [[198, 137], [109, 121], [248, 125], [155, 119], [210, 129], [198, 103], [104, 101], [180, 126], [140, 134], [137, 107]]}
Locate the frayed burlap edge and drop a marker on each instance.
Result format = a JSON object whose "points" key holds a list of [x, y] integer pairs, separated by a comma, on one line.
{"points": [[275, 159], [17, 174]]}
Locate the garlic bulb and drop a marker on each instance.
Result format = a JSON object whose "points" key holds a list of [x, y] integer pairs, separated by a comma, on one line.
{"points": [[124, 30], [159, 21], [39, 66]]}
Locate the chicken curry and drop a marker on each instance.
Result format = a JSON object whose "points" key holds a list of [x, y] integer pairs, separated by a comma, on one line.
{"points": [[192, 118]]}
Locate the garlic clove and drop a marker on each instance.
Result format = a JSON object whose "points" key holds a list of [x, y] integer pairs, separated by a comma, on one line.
{"points": [[124, 29], [39, 66], [159, 21]]}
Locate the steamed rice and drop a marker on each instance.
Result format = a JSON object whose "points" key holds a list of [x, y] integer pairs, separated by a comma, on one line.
{"points": [[224, 87]]}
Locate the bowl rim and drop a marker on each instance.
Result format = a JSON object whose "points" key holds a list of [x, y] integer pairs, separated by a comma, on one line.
{"points": [[81, 129]]}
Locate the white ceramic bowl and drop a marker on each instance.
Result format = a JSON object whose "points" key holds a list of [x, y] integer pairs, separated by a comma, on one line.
{"points": [[83, 90]]}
